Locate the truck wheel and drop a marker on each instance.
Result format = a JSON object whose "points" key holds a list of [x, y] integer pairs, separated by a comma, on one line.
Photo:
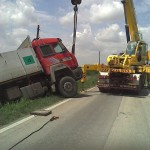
{"points": [[67, 87], [139, 87], [103, 90]]}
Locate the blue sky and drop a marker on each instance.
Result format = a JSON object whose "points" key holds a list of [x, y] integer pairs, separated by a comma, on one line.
{"points": [[100, 24], [52, 7]]}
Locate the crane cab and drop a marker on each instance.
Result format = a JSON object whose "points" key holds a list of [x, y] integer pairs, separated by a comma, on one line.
{"points": [[137, 51]]}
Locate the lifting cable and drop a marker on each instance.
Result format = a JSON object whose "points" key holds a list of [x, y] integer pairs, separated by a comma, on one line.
{"points": [[52, 119], [75, 2], [75, 28]]}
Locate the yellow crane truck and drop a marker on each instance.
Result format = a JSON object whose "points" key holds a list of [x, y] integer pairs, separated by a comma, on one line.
{"points": [[130, 70]]}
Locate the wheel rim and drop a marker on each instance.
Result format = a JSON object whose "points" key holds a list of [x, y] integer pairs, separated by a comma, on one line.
{"points": [[68, 87]]}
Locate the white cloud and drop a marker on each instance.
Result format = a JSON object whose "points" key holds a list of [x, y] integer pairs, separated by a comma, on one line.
{"points": [[111, 33], [108, 40], [19, 18], [86, 33], [20, 13], [145, 34], [67, 19], [15, 20], [105, 12], [86, 3], [92, 11]]}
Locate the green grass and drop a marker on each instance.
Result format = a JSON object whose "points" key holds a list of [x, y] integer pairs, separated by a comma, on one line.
{"points": [[15, 111], [90, 82]]}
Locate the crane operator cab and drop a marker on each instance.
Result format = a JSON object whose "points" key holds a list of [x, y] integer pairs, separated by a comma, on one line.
{"points": [[131, 48], [138, 52]]}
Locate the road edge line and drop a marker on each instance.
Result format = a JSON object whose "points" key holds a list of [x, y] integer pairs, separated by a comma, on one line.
{"points": [[32, 116]]}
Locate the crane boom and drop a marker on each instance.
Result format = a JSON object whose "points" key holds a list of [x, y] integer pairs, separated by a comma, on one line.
{"points": [[130, 21]]}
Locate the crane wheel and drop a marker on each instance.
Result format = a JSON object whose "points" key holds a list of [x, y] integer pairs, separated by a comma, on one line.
{"points": [[139, 87]]}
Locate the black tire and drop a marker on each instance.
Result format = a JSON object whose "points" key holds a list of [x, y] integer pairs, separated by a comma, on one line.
{"points": [[139, 87], [67, 87], [103, 90]]}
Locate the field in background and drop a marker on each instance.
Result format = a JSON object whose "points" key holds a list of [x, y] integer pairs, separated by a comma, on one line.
{"points": [[15, 111]]}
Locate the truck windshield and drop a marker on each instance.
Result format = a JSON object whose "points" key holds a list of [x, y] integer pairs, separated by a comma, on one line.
{"points": [[59, 47], [46, 50], [131, 47]]}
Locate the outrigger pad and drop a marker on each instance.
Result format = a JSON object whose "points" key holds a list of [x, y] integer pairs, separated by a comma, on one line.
{"points": [[41, 112]]}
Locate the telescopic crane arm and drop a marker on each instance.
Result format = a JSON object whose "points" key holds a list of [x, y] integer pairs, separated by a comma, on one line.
{"points": [[131, 27]]}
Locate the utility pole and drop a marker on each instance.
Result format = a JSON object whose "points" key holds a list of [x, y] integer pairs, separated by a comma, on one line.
{"points": [[99, 57]]}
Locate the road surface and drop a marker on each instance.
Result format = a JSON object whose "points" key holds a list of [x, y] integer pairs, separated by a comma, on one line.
{"points": [[91, 121]]}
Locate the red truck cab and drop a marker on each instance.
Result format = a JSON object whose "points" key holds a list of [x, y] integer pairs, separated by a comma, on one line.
{"points": [[59, 65], [51, 51]]}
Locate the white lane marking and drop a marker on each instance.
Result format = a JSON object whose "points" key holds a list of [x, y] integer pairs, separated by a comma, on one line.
{"points": [[88, 89], [56, 105], [15, 124], [91, 89], [32, 116]]}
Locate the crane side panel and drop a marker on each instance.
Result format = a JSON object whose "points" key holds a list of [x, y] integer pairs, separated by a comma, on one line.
{"points": [[148, 55]]}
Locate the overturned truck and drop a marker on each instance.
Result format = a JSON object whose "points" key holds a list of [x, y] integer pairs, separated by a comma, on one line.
{"points": [[38, 67]]}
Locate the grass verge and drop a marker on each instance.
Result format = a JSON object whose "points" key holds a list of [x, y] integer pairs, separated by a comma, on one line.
{"points": [[90, 82], [15, 111]]}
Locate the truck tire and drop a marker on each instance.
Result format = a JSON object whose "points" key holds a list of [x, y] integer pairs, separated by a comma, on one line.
{"points": [[103, 90], [67, 87], [139, 87]]}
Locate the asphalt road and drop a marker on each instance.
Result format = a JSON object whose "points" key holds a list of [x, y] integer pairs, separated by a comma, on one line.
{"points": [[91, 121]]}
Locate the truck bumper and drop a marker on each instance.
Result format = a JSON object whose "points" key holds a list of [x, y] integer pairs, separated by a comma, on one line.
{"points": [[77, 73], [119, 87], [122, 81]]}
